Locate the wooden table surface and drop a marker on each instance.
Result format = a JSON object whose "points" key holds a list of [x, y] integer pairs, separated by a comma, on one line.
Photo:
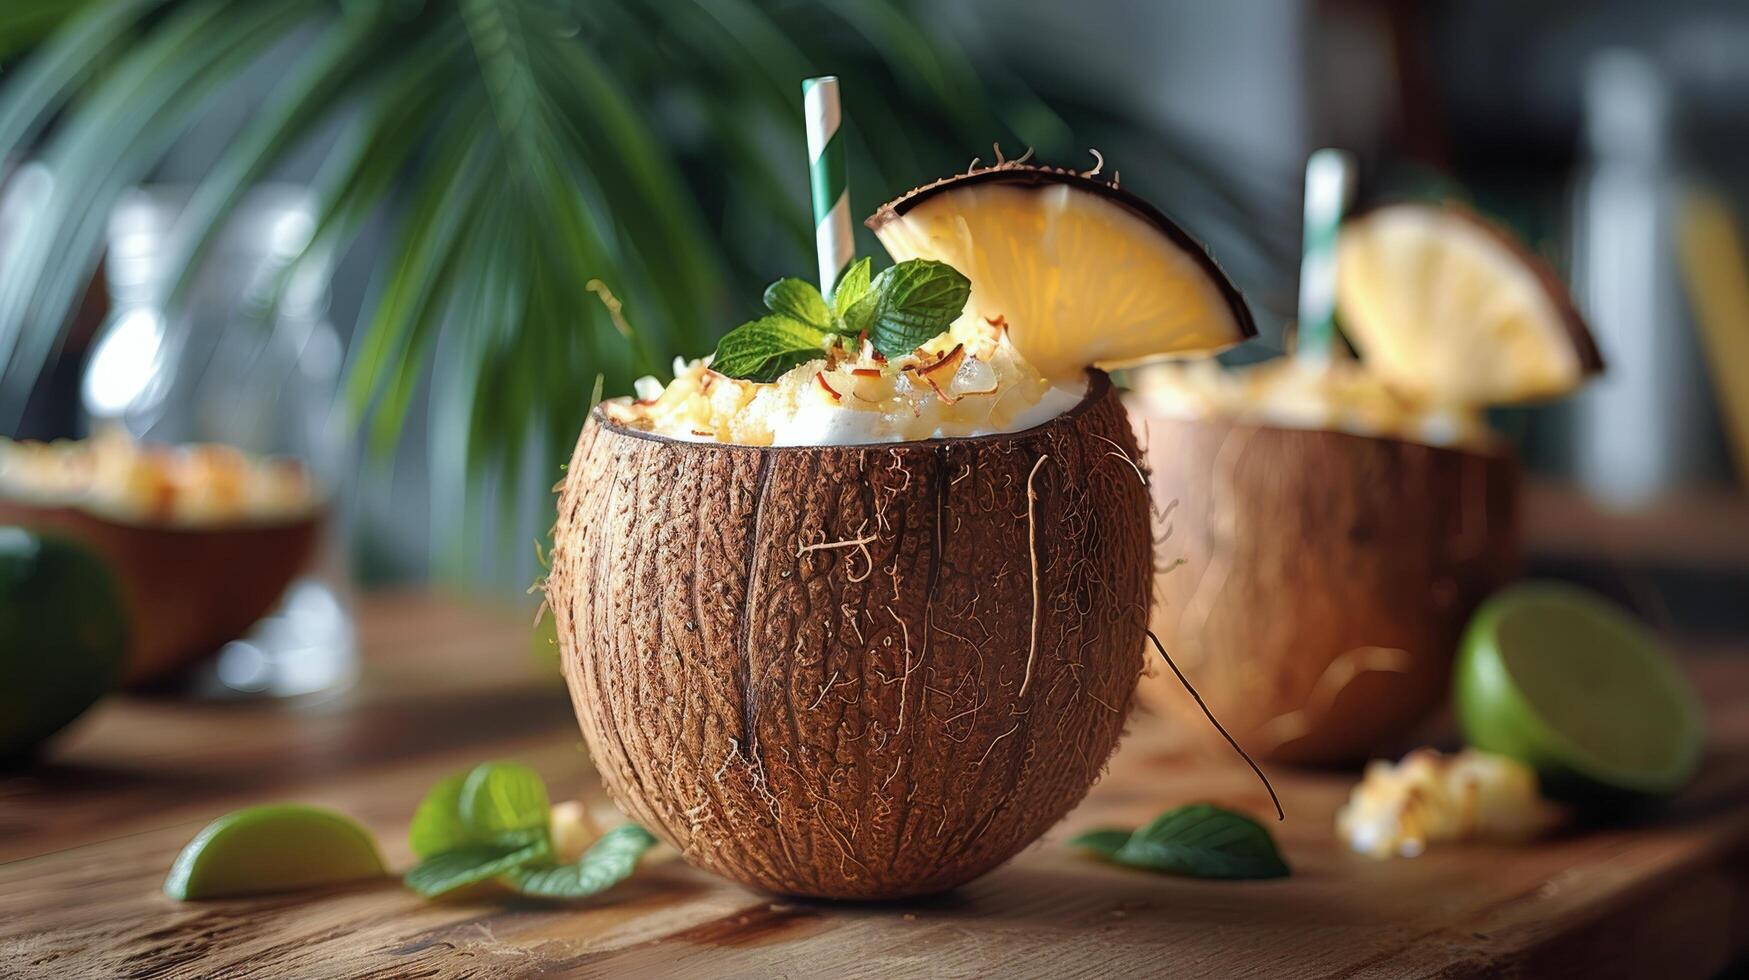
{"points": [[87, 837]]}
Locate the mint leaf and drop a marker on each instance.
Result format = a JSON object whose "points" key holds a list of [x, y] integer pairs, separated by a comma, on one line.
{"points": [[609, 861], [493, 803], [914, 301], [765, 348], [852, 286], [501, 797], [859, 315], [470, 864], [1105, 842], [1200, 840], [437, 824], [902, 308], [800, 301]]}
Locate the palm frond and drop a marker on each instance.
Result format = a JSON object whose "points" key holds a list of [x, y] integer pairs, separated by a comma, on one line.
{"points": [[127, 120], [26, 22], [520, 149], [86, 40], [347, 54]]}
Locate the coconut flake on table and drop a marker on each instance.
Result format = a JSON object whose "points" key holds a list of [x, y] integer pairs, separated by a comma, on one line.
{"points": [[1397, 810], [840, 399]]}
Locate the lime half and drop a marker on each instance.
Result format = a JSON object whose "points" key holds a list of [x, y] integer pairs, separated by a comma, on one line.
{"points": [[1567, 683], [273, 849], [63, 637]]}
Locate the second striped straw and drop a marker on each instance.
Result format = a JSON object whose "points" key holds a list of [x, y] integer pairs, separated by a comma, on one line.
{"points": [[827, 176], [1329, 181]]}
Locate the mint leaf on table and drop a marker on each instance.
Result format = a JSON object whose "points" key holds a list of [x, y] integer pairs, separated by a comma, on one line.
{"points": [[914, 301], [799, 301], [437, 824], [493, 803], [1200, 840], [494, 822], [903, 308], [471, 864], [1205, 841], [609, 861], [500, 798], [1105, 843], [767, 347]]}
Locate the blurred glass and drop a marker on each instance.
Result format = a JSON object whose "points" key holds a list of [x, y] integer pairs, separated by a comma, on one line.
{"points": [[245, 357], [1640, 428]]}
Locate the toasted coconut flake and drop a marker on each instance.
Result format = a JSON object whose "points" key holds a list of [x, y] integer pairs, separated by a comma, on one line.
{"points": [[943, 366], [820, 376], [1398, 810]]}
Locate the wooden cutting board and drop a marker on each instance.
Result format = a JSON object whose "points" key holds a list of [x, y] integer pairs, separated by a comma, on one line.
{"points": [[86, 840]]}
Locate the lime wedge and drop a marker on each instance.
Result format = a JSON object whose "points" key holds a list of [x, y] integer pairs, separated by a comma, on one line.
{"points": [[273, 849], [1574, 687]]}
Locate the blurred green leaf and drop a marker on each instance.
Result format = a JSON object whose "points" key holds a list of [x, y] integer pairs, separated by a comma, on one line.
{"points": [[609, 861], [437, 824], [127, 120], [472, 864], [494, 803], [501, 797], [1199, 840]]}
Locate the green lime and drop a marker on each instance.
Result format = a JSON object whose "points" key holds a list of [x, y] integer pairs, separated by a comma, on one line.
{"points": [[1567, 683], [63, 636], [274, 848]]}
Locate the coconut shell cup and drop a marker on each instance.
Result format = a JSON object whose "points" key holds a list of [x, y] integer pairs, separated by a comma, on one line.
{"points": [[853, 672], [188, 590], [1313, 585]]}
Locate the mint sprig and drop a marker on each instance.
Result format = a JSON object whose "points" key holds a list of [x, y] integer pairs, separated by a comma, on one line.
{"points": [[767, 347], [909, 304], [491, 823], [608, 862], [852, 286], [901, 309], [471, 864], [798, 300], [1200, 840]]}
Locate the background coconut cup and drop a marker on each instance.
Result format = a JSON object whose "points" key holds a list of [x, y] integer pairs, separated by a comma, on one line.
{"points": [[818, 671], [1314, 584], [188, 590]]}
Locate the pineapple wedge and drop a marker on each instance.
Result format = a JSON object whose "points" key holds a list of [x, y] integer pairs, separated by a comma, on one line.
{"points": [[1451, 309], [1076, 269]]}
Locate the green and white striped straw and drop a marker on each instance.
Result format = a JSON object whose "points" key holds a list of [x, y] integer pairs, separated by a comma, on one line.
{"points": [[1329, 180], [826, 174]]}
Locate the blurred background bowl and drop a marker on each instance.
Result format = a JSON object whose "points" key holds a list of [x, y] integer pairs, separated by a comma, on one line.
{"points": [[188, 590]]}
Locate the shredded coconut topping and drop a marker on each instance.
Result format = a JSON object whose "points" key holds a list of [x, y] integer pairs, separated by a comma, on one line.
{"points": [[967, 382], [1288, 392]]}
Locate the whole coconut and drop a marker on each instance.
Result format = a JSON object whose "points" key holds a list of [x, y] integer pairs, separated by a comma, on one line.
{"points": [[1317, 582], [854, 671]]}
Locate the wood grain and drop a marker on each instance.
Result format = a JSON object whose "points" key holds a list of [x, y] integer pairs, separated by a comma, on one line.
{"points": [[87, 837]]}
